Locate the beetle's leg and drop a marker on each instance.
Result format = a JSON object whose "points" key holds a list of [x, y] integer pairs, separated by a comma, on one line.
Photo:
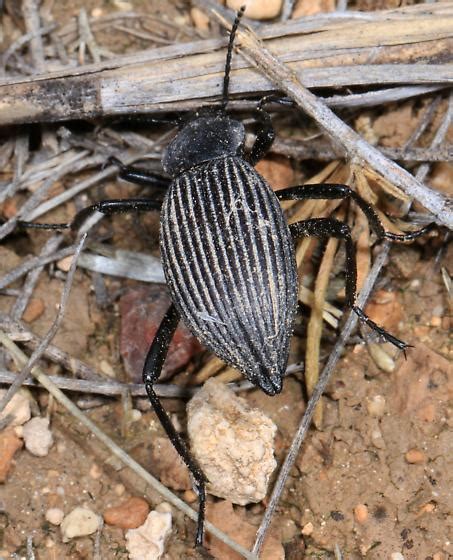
{"points": [[140, 176], [337, 191], [328, 227], [107, 207], [265, 134], [151, 372]]}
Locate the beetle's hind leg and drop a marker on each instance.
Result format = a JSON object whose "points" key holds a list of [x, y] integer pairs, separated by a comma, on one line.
{"points": [[151, 372], [329, 227]]}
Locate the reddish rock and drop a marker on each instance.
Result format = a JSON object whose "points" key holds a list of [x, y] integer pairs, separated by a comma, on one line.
{"points": [[9, 444], [142, 310], [128, 515], [34, 310]]}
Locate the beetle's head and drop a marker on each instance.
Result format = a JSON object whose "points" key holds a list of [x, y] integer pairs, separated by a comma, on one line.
{"points": [[208, 135], [203, 138]]}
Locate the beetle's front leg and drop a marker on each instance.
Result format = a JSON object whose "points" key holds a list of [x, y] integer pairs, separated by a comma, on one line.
{"points": [[265, 134], [328, 227], [151, 372]]}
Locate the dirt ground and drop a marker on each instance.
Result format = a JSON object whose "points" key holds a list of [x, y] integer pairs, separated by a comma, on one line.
{"points": [[374, 482]]}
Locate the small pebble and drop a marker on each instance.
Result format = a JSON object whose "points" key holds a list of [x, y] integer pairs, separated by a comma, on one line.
{"points": [[376, 406], [163, 507], [427, 508], [305, 8], [289, 530], [123, 6], [38, 438], [436, 321], [9, 444], [80, 522], [65, 264], [257, 9], [106, 368], [18, 407], [361, 513], [95, 471], [55, 516], [396, 556], [135, 415], [147, 542], [199, 18], [50, 543], [130, 514], [381, 358], [34, 310], [119, 489], [415, 456], [190, 497], [61, 447], [377, 439], [307, 529]]}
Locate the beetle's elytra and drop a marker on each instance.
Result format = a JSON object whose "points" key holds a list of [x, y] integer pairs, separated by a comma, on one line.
{"points": [[225, 246], [228, 253]]}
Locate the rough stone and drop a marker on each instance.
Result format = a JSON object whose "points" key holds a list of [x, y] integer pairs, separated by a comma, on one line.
{"points": [[147, 541], [37, 436], [18, 408], [9, 444], [80, 522], [232, 443]]}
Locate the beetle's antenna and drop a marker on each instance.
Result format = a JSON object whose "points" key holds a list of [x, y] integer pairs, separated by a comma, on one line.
{"points": [[226, 79]]}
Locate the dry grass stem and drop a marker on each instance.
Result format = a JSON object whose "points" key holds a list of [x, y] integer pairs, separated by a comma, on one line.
{"points": [[315, 324]]}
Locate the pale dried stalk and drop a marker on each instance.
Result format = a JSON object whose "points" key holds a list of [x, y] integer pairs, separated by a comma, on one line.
{"points": [[315, 324]]}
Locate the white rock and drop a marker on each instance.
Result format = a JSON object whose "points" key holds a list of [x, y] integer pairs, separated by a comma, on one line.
{"points": [[80, 522], [147, 541], [37, 436], [18, 407], [376, 406], [257, 9], [54, 516], [232, 443]]}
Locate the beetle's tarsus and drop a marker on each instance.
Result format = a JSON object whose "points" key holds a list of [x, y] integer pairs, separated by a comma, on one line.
{"points": [[33, 225], [380, 330]]}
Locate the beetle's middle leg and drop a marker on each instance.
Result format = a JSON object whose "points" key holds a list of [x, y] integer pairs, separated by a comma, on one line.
{"points": [[329, 227], [140, 176], [151, 372], [338, 191], [107, 207]]}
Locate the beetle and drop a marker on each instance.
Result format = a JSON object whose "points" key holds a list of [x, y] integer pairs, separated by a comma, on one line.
{"points": [[228, 252]]}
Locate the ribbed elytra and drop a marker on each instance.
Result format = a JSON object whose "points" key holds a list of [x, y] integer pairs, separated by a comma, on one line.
{"points": [[229, 262]]}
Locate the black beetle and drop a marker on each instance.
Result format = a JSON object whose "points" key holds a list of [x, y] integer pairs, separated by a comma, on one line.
{"points": [[228, 253]]}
